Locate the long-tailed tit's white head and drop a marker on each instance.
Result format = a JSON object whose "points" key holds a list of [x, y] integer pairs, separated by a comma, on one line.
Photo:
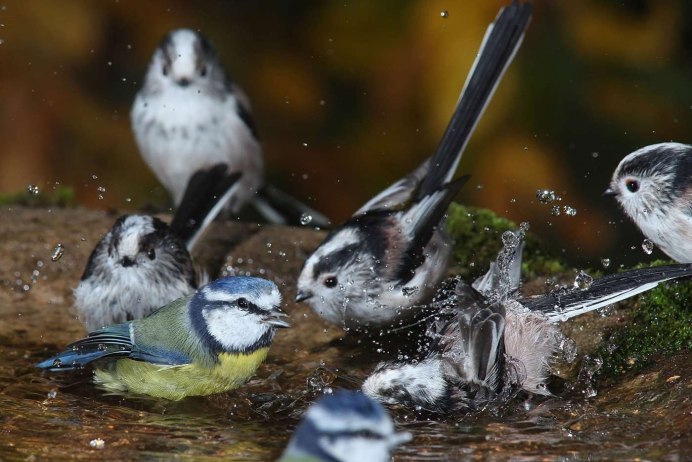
{"points": [[653, 185]]}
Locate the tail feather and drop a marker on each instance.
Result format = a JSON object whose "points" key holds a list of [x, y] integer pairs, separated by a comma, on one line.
{"points": [[564, 304], [279, 207], [206, 194], [103, 343], [500, 44]]}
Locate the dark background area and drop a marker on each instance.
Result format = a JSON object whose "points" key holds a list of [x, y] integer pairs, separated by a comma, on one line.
{"points": [[348, 96]]}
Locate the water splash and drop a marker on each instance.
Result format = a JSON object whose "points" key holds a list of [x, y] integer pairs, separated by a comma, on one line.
{"points": [[547, 196], [648, 246], [33, 189], [57, 253], [305, 219], [583, 281]]}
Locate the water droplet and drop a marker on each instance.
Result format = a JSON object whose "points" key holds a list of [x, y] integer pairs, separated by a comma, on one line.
{"points": [[570, 211], [305, 219], [33, 189], [58, 252], [269, 245], [555, 210], [52, 394], [305, 145], [648, 246], [546, 196], [444, 14], [94, 177], [97, 443], [605, 262], [57, 362], [509, 239], [583, 281]]}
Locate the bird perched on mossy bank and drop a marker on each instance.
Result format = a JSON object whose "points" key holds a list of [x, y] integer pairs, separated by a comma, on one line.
{"points": [[344, 427], [209, 342]]}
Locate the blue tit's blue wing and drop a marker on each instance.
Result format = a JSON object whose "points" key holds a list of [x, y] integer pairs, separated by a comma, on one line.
{"points": [[159, 355], [110, 341]]}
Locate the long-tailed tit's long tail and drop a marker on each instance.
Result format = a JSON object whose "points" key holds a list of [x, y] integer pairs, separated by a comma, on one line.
{"points": [[206, 194], [500, 44], [279, 207], [561, 305]]}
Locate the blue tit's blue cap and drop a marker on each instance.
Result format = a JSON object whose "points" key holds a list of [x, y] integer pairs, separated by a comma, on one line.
{"points": [[243, 284], [348, 401]]}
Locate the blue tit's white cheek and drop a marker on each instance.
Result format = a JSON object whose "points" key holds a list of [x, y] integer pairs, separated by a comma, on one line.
{"points": [[235, 330]]}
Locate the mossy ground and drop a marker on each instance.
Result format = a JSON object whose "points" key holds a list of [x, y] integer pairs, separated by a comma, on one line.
{"points": [[477, 240], [660, 325]]}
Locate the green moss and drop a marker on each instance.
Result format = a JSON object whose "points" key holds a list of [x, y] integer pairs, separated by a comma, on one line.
{"points": [[477, 240], [661, 325], [60, 196]]}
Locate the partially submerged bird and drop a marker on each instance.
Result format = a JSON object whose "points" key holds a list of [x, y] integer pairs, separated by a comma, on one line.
{"points": [[346, 426], [486, 343], [209, 342], [653, 185], [381, 265]]}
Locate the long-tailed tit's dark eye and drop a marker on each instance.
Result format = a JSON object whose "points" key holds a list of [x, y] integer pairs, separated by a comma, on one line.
{"points": [[243, 303], [632, 185], [151, 253], [330, 281]]}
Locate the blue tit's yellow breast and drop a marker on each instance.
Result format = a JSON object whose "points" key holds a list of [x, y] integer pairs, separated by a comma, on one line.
{"points": [[177, 382]]}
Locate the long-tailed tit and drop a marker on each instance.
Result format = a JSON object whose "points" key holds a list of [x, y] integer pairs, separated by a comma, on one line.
{"points": [[486, 342], [388, 257], [654, 187], [189, 117], [138, 266]]}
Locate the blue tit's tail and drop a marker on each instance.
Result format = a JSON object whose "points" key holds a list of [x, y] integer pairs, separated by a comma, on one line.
{"points": [[565, 303], [103, 343], [206, 194], [500, 44]]}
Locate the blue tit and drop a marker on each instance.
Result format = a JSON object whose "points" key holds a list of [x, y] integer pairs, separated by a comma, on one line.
{"points": [[209, 342], [382, 265], [346, 426], [137, 267], [486, 342], [190, 119], [653, 185]]}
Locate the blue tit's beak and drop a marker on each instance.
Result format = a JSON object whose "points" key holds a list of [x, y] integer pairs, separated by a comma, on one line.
{"points": [[303, 295], [274, 318], [610, 192]]}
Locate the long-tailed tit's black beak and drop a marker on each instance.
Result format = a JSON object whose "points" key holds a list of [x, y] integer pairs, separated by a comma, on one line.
{"points": [[610, 192], [303, 295]]}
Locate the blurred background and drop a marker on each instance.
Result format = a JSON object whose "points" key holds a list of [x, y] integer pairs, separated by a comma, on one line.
{"points": [[349, 96]]}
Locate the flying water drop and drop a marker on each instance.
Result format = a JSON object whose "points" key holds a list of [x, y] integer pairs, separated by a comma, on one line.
{"points": [[305, 219], [57, 253], [583, 281], [648, 246]]}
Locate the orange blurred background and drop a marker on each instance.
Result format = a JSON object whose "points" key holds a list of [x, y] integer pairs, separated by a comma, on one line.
{"points": [[349, 96]]}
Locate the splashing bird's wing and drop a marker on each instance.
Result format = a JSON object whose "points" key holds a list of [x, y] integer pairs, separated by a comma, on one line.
{"points": [[564, 304]]}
